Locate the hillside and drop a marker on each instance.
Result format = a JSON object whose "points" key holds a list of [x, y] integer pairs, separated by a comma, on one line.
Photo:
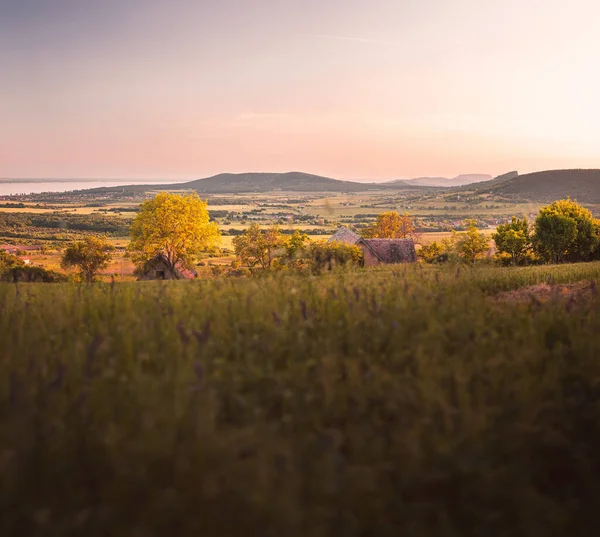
{"points": [[459, 180], [547, 186], [232, 183], [269, 182]]}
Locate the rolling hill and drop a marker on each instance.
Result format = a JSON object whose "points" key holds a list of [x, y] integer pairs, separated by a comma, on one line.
{"points": [[547, 186], [272, 182], [237, 183]]}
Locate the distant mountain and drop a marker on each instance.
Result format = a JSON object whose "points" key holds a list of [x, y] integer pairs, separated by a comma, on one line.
{"points": [[547, 186], [459, 180], [271, 182], [232, 183]]}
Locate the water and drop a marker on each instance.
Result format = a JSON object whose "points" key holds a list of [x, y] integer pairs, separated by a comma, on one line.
{"points": [[8, 187]]}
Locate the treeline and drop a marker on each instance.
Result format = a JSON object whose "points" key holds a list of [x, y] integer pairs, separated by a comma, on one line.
{"points": [[563, 232], [14, 224], [283, 231]]}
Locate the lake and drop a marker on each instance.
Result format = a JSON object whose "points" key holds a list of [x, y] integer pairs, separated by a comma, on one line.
{"points": [[10, 187]]}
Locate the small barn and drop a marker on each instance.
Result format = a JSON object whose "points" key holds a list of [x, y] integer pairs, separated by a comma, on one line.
{"points": [[387, 251], [345, 235], [159, 268]]}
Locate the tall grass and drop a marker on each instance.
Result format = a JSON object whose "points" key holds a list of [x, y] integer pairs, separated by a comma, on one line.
{"points": [[384, 403]]}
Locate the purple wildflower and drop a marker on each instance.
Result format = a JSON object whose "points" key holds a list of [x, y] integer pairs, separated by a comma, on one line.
{"points": [[183, 335]]}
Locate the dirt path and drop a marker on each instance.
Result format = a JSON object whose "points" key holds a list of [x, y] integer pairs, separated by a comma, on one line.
{"points": [[543, 292]]}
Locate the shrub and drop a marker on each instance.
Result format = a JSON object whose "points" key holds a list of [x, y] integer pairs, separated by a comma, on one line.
{"points": [[32, 274], [565, 231], [514, 239], [327, 255]]}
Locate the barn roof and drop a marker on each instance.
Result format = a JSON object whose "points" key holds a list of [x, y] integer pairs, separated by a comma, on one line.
{"points": [[344, 234], [392, 250]]}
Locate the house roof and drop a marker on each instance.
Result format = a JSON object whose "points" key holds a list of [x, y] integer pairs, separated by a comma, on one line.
{"points": [[344, 234], [392, 250]]}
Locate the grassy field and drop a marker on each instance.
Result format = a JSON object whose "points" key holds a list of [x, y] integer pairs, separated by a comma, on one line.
{"points": [[404, 401]]}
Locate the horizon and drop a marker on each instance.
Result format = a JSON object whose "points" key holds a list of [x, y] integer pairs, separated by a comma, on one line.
{"points": [[154, 90], [191, 179]]}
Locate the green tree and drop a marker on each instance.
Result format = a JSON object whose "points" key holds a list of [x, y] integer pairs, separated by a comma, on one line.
{"points": [[514, 238], [89, 255], [257, 248], [173, 225], [9, 261], [565, 231], [391, 225], [296, 244], [430, 252], [472, 244]]}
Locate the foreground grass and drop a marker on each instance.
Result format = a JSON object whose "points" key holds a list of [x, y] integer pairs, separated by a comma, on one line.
{"points": [[395, 402]]}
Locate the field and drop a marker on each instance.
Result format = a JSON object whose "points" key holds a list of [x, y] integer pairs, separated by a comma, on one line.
{"points": [[411, 401]]}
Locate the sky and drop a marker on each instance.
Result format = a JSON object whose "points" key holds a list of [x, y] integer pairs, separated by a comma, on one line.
{"points": [[363, 90]]}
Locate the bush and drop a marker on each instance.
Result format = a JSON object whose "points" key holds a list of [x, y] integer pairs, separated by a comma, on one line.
{"points": [[327, 255], [565, 231], [32, 274]]}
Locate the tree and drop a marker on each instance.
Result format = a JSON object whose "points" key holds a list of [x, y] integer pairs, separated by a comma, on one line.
{"points": [[430, 253], [391, 225], [89, 256], [472, 244], [175, 226], [565, 231], [296, 244], [257, 247], [514, 239]]}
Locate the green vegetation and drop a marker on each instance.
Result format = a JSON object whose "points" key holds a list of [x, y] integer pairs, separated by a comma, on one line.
{"points": [[409, 401], [566, 231], [258, 247], [58, 225], [30, 274], [89, 256], [472, 245], [514, 240]]}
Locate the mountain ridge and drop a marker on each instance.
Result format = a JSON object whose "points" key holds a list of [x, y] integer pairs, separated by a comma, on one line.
{"points": [[547, 186]]}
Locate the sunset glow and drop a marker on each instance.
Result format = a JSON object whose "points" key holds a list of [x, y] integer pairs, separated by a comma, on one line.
{"points": [[350, 89]]}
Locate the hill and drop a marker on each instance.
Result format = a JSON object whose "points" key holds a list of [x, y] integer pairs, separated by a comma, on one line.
{"points": [[269, 182], [232, 183], [547, 186], [459, 180]]}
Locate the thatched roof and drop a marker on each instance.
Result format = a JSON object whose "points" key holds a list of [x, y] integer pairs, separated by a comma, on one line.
{"points": [[392, 250], [344, 234]]}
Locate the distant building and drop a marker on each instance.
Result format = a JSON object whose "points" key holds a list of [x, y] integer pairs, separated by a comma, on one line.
{"points": [[378, 251], [159, 268]]}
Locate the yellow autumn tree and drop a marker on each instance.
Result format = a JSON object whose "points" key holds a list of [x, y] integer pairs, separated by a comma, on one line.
{"points": [[391, 225], [175, 226]]}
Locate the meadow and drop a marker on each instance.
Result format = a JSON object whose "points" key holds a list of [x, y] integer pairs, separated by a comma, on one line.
{"points": [[411, 401]]}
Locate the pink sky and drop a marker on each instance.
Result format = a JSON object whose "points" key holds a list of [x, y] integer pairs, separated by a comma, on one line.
{"points": [[351, 89]]}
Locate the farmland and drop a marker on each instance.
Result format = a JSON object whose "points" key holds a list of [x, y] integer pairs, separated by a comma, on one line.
{"points": [[402, 401]]}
